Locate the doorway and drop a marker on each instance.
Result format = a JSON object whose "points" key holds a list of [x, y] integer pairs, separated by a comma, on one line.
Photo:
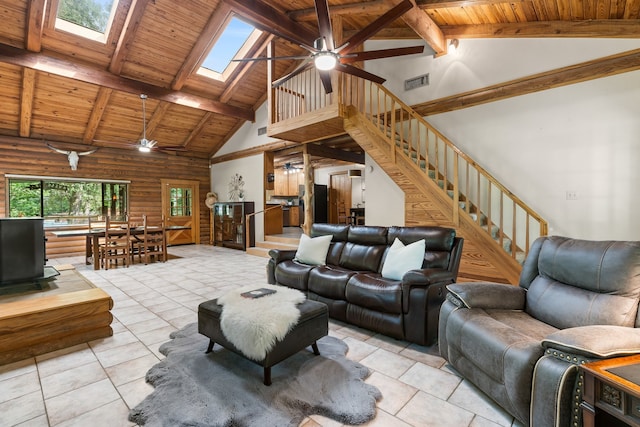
{"points": [[339, 195], [181, 207]]}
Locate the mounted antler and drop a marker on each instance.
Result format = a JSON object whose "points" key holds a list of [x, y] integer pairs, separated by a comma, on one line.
{"points": [[73, 156]]}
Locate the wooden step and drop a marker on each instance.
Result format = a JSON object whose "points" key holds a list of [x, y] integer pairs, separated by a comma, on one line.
{"points": [[256, 251], [281, 239], [277, 245]]}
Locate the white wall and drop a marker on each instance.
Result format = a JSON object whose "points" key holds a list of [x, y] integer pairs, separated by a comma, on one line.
{"points": [[384, 199], [251, 169], [582, 138]]}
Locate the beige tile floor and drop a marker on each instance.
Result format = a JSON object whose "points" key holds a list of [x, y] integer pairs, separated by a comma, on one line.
{"points": [[95, 384]]}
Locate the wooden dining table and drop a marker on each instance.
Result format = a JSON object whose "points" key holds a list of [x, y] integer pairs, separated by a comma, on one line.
{"points": [[93, 237]]}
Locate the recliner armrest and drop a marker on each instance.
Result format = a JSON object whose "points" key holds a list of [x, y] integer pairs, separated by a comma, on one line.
{"points": [[279, 255], [487, 295], [600, 341]]}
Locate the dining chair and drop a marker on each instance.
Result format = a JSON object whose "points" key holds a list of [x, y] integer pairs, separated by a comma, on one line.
{"points": [[151, 243], [116, 243], [343, 218]]}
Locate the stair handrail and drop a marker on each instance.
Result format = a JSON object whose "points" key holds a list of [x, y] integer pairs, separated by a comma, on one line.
{"points": [[247, 217], [353, 92], [393, 118]]}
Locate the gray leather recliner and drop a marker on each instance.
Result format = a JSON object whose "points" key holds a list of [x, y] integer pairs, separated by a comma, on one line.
{"points": [[576, 301]]}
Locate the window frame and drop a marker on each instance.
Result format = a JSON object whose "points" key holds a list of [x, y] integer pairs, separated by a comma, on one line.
{"points": [[60, 24], [241, 53], [52, 179]]}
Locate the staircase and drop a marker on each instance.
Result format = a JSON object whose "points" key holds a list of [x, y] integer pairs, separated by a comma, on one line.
{"points": [[442, 185], [273, 242]]}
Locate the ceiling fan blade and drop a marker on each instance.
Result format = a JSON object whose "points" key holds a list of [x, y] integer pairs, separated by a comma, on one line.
{"points": [[151, 144], [266, 18], [325, 77], [362, 35], [324, 22], [266, 58], [382, 53], [350, 69], [305, 65], [171, 148]]}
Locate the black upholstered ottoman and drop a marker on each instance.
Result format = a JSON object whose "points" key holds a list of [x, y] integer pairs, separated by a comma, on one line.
{"points": [[312, 325]]}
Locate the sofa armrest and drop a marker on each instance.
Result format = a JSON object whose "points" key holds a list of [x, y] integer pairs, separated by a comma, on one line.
{"points": [[423, 278], [599, 341], [487, 295], [279, 255]]}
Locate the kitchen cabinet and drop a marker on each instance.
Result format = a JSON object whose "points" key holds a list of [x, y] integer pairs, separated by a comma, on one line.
{"points": [[287, 184], [294, 216]]}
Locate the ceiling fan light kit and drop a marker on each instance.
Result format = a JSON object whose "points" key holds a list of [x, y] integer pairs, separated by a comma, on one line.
{"points": [[325, 61], [322, 51]]}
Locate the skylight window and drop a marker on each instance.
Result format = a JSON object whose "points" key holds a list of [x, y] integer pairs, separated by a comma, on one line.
{"points": [[87, 18], [235, 41]]}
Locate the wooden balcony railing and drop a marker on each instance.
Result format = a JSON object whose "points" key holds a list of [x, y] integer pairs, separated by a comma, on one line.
{"points": [[473, 190]]}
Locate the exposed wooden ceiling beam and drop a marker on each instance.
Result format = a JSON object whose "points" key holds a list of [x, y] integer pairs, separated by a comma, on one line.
{"points": [[590, 70], [243, 68], [424, 26], [370, 8], [131, 24], [272, 146], [156, 118], [326, 152], [99, 106], [203, 45], [93, 75], [602, 28], [273, 21], [435, 4], [196, 131], [35, 24], [26, 101]]}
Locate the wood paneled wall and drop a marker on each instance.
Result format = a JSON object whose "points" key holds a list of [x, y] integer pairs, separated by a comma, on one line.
{"points": [[144, 171]]}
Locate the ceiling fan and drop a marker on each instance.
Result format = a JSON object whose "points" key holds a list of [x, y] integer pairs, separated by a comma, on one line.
{"points": [[324, 55], [144, 145]]}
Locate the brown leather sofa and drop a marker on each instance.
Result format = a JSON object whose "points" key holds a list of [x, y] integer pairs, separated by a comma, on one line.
{"points": [[353, 288], [577, 301]]}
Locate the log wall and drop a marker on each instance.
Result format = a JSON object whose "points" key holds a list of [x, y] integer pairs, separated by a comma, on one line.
{"points": [[143, 170]]}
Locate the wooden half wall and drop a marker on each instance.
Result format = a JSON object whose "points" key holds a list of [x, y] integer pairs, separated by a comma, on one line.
{"points": [[145, 171]]}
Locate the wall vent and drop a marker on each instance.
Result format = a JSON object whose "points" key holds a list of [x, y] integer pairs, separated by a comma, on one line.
{"points": [[416, 82], [262, 130]]}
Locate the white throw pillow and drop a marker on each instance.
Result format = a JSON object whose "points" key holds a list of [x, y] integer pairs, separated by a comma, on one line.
{"points": [[401, 259], [313, 251]]}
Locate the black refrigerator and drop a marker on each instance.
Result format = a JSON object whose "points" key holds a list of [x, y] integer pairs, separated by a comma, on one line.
{"points": [[320, 204]]}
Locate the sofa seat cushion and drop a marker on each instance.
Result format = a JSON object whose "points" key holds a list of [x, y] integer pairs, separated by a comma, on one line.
{"points": [[293, 274], [373, 291], [504, 344], [330, 281]]}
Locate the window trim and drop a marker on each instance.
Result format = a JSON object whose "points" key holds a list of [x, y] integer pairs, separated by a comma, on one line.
{"points": [[242, 52], [60, 24], [9, 177]]}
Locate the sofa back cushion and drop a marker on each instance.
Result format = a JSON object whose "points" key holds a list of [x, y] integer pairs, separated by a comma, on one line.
{"points": [[340, 234], [575, 282], [364, 248], [438, 243]]}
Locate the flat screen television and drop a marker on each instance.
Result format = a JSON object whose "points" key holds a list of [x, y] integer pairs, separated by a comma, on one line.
{"points": [[22, 249]]}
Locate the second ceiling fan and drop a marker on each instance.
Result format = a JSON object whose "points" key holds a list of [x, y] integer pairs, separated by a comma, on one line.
{"points": [[324, 54]]}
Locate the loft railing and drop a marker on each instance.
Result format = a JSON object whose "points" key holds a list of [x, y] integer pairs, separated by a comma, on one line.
{"points": [[472, 189]]}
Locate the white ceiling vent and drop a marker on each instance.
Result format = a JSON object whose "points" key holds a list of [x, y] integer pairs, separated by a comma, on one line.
{"points": [[262, 130], [416, 82]]}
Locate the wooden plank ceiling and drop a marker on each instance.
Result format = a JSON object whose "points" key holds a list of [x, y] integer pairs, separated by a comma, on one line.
{"points": [[65, 89]]}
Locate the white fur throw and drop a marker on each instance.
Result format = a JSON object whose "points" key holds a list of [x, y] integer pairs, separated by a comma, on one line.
{"points": [[254, 325]]}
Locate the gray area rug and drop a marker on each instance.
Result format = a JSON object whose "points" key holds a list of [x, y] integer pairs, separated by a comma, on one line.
{"points": [[224, 389]]}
